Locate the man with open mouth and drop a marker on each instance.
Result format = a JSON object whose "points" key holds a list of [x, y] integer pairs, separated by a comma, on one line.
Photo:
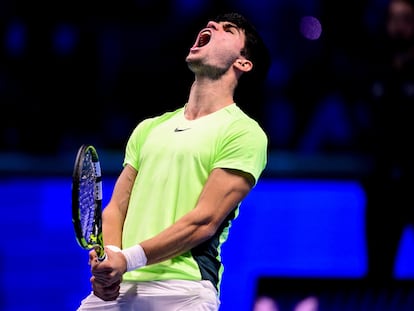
{"points": [[185, 174]]}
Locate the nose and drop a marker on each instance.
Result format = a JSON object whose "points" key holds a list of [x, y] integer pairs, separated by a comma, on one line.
{"points": [[213, 24]]}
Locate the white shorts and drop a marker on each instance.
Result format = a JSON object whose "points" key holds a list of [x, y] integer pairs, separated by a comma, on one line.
{"points": [[169, 295]]}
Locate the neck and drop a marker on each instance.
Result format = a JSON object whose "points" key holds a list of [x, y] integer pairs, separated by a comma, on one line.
{"points": [[207, 96]]}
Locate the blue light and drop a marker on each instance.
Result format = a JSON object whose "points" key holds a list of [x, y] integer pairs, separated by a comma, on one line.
{"points": [[15, 38], [295, 228], [189, 8], [65, 39], [286, 228]]}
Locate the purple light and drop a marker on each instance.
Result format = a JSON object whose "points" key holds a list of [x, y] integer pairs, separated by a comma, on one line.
{"points": [[310, 27]]}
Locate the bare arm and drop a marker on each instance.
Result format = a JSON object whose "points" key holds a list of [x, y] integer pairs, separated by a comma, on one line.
{"points": [[113, 216], [222, 192], [107, 275]]}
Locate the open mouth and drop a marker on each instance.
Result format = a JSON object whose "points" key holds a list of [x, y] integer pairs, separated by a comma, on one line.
{"points": [[203, 38]]}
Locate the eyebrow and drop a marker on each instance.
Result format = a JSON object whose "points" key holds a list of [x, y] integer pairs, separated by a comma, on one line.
{"points": [[231, 25]]}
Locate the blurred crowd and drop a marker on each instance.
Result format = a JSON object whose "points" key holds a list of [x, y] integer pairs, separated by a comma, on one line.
{"points": [[79, 72]]}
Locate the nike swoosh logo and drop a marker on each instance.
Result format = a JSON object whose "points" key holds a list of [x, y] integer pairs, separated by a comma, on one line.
{"points": [[181, 129]]}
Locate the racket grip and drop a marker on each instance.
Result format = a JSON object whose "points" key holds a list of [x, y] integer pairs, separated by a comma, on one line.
{"points": [[100, 252], [111, 247]]}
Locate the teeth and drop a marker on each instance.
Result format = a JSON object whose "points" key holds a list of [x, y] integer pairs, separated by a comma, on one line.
{"points": [[204, 38]]}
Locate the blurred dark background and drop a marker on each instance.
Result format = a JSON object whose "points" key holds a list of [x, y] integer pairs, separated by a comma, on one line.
{"points": [[64, 63], [74, 72]]}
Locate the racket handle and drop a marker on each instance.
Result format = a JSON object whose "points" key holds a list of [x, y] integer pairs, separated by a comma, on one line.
{"points": [[100, 252], [100, 249], [102, 258]]}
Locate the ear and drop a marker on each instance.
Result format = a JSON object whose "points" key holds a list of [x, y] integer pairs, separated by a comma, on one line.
{"points": [[243, 65]]}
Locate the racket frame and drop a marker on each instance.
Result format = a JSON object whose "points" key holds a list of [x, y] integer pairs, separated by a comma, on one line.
{"points": [[96, 240]]}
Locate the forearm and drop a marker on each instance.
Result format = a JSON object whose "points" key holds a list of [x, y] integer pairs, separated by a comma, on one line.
{"points": [[177, 239], [112, 223], [221, 194], [113, 215]]}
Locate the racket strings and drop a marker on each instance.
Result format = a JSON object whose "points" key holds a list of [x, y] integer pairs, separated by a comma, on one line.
{"points": [[87, 199]]}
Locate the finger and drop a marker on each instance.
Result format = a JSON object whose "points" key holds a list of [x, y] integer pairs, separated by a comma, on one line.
{"points": [[106, 296], [105, 276], [106, 293], [92, 257]]}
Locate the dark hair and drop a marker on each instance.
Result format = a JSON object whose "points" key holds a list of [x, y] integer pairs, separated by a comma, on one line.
{"points": [[255, 49], [250, 91]]}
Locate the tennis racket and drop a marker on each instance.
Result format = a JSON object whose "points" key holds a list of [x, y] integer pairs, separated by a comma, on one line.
{"points": [[87, 200]]}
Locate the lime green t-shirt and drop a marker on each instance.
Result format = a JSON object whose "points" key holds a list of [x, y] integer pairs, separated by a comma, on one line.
{"points": [[174, 157]]}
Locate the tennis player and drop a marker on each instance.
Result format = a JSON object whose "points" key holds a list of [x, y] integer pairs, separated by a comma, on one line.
{"points": [[185, 174]]}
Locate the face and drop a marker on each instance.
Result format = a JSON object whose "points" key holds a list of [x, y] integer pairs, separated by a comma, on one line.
{"points": [[216, 49], [400, 24]]}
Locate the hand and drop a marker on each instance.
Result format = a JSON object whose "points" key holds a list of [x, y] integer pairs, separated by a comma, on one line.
{"points": [[107, 275], [104, 292]]}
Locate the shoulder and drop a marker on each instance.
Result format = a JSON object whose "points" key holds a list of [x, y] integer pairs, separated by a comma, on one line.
{"points": [[243, 123]]}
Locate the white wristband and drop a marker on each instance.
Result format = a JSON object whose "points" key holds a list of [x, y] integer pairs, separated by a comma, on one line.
{"points": [[135, 257]]}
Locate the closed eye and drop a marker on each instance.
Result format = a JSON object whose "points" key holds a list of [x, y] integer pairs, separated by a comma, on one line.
{"points": [[228, 27]]}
